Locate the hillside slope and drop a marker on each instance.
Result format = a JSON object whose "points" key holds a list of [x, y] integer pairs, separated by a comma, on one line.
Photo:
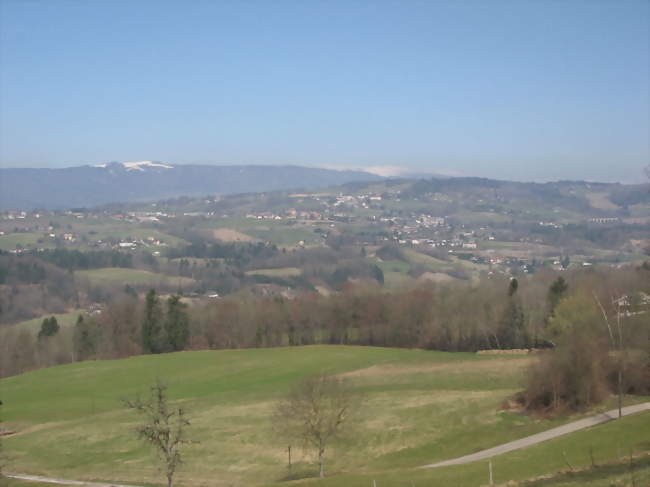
{"points": [[420, 407]]}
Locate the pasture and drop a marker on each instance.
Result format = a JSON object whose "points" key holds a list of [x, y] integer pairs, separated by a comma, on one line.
{"points": [[418, 407], [135, 277]]}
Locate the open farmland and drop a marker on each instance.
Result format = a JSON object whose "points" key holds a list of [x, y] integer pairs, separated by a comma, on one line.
{"points": [[137, 277], [64, 320], [419, 407], [23, 240], [280, 272]]}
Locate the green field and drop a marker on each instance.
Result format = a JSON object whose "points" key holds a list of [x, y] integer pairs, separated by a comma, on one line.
{"points": [[394, 266], [24, 240], [122, 276], [395, 271], [419, 407], [626, 471], [607, 441], [481, 218], [286, 236], [280, 272], [137, 233], [64, 320], [282, 233], [21, 483]]}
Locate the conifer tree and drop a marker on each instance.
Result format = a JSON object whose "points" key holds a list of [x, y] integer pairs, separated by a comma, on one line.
{"points": [[177, 329], [152, 341]]}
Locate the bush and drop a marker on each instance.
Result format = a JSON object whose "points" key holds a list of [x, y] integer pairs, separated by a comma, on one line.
{"points": [[572, 377]]}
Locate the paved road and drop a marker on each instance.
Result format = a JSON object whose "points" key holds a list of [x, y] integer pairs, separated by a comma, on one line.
{"points": [[48, 480], [539, 437]]}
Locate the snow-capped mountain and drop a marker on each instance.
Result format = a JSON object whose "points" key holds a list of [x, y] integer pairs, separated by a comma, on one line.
{"points": [[87, 186], [136, 166]]}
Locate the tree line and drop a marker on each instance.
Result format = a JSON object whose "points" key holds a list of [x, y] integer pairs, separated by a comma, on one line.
{"points": [[574, 315], [71, 259]]}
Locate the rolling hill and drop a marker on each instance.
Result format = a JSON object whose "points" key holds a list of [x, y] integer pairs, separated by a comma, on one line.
{"points": [[419, 406]]}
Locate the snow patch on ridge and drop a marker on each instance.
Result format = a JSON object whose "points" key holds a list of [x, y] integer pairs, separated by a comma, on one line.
{"points": [[386, 171], [140, 166]]}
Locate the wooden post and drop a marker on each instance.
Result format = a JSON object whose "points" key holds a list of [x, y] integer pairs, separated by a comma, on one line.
{"points": [[632, 469], [289, 451], [490, 468]]}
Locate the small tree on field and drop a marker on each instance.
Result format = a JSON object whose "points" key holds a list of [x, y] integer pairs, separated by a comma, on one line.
{"points": [[315, 411], [164, 427]]}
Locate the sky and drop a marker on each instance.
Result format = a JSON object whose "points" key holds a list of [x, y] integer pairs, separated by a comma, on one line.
{"points": [[509, 89]]}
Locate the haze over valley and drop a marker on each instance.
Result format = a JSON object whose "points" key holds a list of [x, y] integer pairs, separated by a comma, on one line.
{"points": [[329, 244]]}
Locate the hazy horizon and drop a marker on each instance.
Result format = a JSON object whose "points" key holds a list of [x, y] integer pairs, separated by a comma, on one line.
{"points": [[384, 171], [531, 91]]}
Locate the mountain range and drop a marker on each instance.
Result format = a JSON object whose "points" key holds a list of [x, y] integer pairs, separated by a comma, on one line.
{"points": [[88, 186]]}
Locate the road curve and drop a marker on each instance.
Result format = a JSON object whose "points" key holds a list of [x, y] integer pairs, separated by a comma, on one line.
{"points": [[48, 480], [543, 436]]}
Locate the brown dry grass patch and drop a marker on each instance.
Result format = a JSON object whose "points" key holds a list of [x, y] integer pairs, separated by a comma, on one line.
{"points": [[601, 201], [230, 235], [466, 366]]}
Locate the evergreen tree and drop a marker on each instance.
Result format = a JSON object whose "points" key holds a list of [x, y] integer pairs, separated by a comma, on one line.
{"points": [[377, 274], [49, 327], [177, 328], [512, 288], [512, 332], [85, 338], [152, 341], [128, 289], [555, 293]]}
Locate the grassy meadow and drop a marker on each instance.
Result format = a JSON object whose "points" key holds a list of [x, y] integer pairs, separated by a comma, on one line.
{"points": [[26, 240], [279, 272], [279, 232], [137, 277], [65, 320], [419, 407]]}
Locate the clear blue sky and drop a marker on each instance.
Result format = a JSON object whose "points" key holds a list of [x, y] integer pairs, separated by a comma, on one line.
{"points": [[516, 89]]}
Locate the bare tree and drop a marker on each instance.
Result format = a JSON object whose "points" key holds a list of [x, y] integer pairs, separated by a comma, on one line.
{"points": [[616, 344], [164, 427], [315, 411]]}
